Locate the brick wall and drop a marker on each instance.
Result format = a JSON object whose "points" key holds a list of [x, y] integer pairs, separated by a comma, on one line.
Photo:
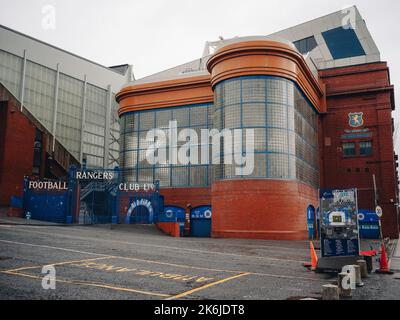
{"points": [[17, 138], [261, 209], [181, 197], [365, 89]]}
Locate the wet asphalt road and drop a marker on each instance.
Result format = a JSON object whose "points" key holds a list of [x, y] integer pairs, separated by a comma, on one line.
{"points": [[139, 262]]}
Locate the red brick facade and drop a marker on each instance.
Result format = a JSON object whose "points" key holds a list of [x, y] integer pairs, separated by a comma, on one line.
{"points": [[182, 197], [356, 89], [267, 209], [261, 209], [17, 136]]}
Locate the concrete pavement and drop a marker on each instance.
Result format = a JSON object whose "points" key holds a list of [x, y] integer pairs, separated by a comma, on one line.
{"points": [[139, 262]]}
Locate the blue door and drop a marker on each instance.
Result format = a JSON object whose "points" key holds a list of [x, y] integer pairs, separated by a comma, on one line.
{"points": [[200, 222]]}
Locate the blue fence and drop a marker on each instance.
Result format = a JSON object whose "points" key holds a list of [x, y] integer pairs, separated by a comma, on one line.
{"points": [[50, 200]]}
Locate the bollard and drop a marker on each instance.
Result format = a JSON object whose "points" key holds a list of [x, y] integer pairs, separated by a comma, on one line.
{"points": [[330, 292], [344, 291], [359, 282], [363, 268], [370, 266]]}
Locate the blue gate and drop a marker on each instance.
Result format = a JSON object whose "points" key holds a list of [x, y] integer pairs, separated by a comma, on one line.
{"points": [[200, 222], [106, 198], [92, 196], [50, 200], [98, 195], [144, 207]]}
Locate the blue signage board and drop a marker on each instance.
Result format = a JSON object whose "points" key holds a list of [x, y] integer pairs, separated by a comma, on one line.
{"points": [[339, 223], [203, 212], [310, 222]]}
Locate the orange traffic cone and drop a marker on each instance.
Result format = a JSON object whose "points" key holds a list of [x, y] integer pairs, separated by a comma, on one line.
{"points": [[314, 258], [384, 265]]}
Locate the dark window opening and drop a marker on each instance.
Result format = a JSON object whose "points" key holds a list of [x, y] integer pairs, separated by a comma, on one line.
{"points": [[349, 149], [37, 152], [366, 148], [306, 45]]}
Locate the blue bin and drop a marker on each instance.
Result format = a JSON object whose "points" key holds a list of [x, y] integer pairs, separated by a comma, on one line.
{"points": [[369, 224]]}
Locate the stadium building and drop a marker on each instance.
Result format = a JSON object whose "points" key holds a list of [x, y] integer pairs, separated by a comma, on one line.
{"points": [[317, 96], [319, 99]]}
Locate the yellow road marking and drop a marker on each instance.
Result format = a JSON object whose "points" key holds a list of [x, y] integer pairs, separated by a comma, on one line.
{"points": [[186, 293], [54, 264], [103, 256], [91, 284], [120, 257]]}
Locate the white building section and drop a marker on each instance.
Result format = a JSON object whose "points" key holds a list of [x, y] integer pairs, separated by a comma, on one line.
{"points": [[72, 97]]}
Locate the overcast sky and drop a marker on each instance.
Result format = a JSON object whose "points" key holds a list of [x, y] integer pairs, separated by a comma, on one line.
{"points": [[154, 35]]}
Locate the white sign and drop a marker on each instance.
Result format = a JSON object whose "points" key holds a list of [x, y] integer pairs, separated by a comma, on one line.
{"points": [[379, 211], [94, 175], [136, 187], [50, 185]]}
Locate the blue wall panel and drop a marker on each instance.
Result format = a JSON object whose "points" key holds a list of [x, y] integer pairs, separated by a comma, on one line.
{"points": [[343, 43]]}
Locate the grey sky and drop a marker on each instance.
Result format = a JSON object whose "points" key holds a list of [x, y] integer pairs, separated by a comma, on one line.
{"points": [[157, 34]]}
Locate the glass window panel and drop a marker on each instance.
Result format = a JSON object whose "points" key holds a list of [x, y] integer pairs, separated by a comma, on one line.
{"points": [[253, 90], [198, 116], [277, 116], [163, 174], [276, 91], [278, 166], [146, 121], [145, 175], [179, 176], [181, 115], [198, 175], [254, 114], [231, 93], [277, 140], [232, 117], [260, 166]]}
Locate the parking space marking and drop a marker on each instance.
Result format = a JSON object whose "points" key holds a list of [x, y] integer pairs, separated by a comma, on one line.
{"points": [[141, 272], [52, 264], [111, 268], [92, 284], [120, 257], [186, 293]]}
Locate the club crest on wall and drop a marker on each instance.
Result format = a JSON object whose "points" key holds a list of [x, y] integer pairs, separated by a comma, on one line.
{"points": [[356, 119]]}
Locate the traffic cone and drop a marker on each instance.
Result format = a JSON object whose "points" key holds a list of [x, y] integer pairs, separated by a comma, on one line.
{"points": [[314, 258], [384, 265]]}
